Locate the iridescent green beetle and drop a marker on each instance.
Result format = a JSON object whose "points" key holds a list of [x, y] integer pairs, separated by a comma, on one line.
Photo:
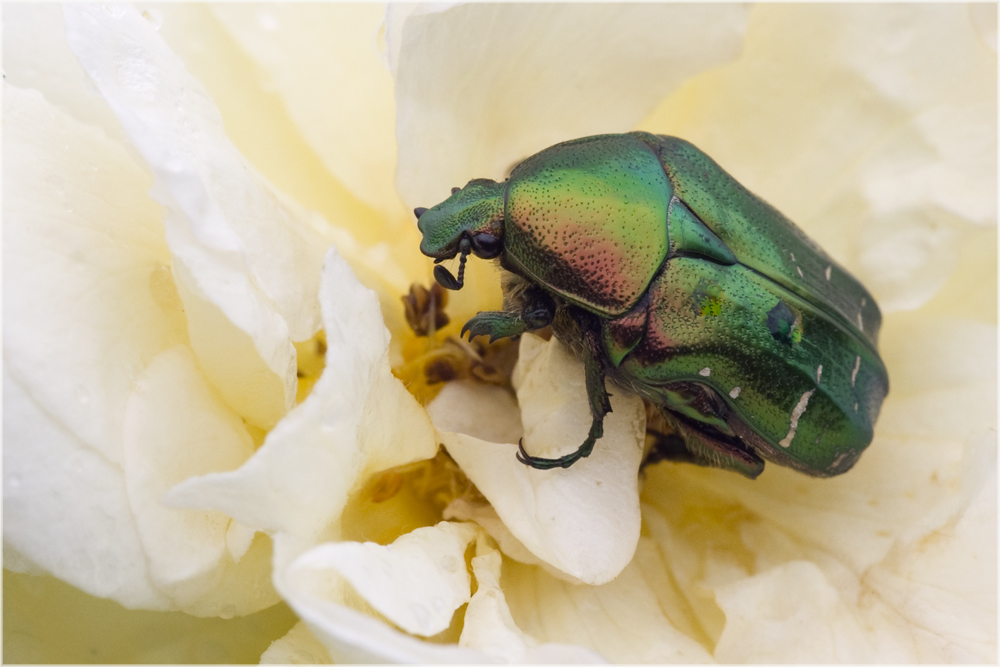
{"points": [[670, 278]]}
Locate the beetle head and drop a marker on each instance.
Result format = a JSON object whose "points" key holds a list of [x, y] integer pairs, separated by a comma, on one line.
{"points": [[469, 221]]}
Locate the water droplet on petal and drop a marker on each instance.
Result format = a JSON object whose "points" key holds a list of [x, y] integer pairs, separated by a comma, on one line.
{"points": [[154, 17]]}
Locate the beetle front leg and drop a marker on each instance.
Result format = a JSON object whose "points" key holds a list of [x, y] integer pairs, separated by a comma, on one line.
{"points": [[537, 312], [600, 405]]}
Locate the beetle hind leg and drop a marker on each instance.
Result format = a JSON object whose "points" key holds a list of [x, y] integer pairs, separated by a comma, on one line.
{"points": [[700, 446], [600, 405]]}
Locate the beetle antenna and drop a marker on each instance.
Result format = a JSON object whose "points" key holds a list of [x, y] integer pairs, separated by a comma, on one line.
{"points": [[461, 269], [443, 275]]}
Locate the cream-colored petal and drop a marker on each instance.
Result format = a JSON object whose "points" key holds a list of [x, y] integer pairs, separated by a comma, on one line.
{"points": [[359, 419], [51, 622], [343, 622], [88, 295], [489, 627], [872, 127], [88, 303], [516, 78], [36, 56], [66, 507], [417, 582], [944, 585], [792, 613], [483, 514], [931, 600], [298, 647], [483, 411], [629, 620], [584, 520], [322, 60], [177, 427], [247, 103], [246, 253]]}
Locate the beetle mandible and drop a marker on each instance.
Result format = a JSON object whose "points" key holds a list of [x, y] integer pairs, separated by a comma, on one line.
{"points": [[673, 280]]}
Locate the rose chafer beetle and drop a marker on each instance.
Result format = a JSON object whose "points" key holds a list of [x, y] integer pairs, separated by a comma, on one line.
{"points": [[670, 278]]}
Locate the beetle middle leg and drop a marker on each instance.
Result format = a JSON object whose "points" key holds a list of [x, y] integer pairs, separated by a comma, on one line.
{"points": [[537, 311], [597, 396]]}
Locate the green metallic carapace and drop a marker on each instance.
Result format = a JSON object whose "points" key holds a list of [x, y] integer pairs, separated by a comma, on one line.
{"points": [[670, 278]]}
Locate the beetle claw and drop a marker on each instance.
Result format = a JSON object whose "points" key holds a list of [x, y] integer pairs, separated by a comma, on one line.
{"points": [[419, 211], [542, 463]]}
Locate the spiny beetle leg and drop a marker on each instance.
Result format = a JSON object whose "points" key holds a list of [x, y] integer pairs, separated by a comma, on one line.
{"points": [[495, 324], [538, 310], [600, 405], [707, 448], [541, 463]]}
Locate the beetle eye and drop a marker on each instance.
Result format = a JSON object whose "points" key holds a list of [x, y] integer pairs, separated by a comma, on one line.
{"points": [[486, 245]]}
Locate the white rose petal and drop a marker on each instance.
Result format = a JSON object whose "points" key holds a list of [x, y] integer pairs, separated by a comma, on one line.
{"points": [[176, 427], [36, 56], [490, 628], [234, 245], [342, 621], [358, 420], [638, 618], [66, 508], [943, 583], [88, 302], [298, 647], [417, 582], [893, 160], [584, 521], [517, 78], [314, 57], [487, 517]]}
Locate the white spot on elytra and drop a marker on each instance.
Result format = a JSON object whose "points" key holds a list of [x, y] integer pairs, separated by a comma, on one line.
{"points": [[735, 393], [792, 254], [705, 372], [828, 272], [864, 300], [819, 373], [800, 272], [836, 461], [854, 373], [797, 411], [855, 407], [861, 324]]}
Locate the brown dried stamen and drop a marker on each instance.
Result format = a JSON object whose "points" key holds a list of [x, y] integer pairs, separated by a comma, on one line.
{"points": [[424, 308]]}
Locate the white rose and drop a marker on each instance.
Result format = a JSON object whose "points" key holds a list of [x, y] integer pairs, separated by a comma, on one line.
{"points": [[161, 451]]}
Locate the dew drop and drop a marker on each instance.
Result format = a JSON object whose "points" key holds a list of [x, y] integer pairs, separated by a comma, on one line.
{"points": [[449, 563], [268, 21], [154, 17], [115, 11], [82, 395]]}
